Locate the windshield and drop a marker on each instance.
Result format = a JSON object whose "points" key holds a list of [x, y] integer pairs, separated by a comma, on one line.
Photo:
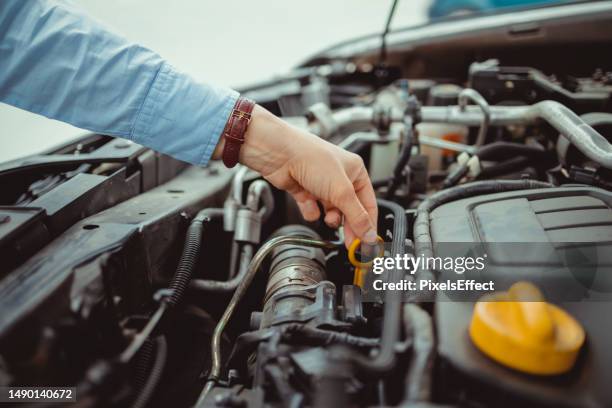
{"points": [[440, 9], [197, 37]]}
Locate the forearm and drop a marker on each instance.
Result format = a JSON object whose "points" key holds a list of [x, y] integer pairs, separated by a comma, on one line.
{"points": [[60, 63]]}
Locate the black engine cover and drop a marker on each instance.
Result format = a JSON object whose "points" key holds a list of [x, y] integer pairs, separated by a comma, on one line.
{"points": [[578, 215]]}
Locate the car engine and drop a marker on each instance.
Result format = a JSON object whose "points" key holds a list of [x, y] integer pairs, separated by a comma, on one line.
{"points": [[142, 281]]}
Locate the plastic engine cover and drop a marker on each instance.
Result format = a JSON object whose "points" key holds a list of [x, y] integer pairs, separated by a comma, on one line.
{"points": [[559, 215]]}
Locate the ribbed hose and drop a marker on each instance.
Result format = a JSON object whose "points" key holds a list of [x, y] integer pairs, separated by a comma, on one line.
{"points": [[140, 342], [418, 380], [422, 234], [161, 353], [143, 364], [179, 283], [384, 361], [191, 252]]}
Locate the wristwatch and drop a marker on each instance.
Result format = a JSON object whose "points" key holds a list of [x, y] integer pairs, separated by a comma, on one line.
{"points": [[235, 130]]}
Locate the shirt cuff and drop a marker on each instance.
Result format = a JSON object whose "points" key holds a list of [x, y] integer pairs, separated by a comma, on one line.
{"points": [[182, 117]]}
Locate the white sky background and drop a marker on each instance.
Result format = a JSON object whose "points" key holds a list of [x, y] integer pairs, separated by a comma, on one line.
{"points": [[207, 39]]}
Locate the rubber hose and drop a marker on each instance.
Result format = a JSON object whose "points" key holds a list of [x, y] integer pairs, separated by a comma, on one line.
{"points": [[384, 361], [418, 379], [505, 167], [161, 353], [455, 175], [143, 364], [191, 252], [401, 163], [505, 150]]}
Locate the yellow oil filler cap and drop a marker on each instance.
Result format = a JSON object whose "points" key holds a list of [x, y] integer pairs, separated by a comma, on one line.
{"points": [[519, 329]]}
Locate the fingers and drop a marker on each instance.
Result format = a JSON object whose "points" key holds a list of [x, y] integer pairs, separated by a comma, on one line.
{"points": [[355, 214], [349, 235], [367, 197], [333, 217], [311, 212], [306, 202], [307, 205], [338, 179]]}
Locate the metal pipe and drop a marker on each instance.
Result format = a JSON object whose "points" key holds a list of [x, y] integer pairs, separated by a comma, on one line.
{"points": [[446, 144], [363, 116], [238, 182], [472, 115], [208, 285], [590, 142], [233, 201], [358, 117], [469, 94], [354, 116], [366, 137], [260, 191], [372, 137], [254, 266], [586, 139], [234, 251]]}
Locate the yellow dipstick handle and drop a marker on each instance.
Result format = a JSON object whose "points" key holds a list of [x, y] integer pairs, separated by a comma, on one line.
{"points": [[361, 268], [359, 276]]}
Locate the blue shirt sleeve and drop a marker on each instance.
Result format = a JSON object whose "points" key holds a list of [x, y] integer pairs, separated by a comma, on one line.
{"points": [[58, 62]]}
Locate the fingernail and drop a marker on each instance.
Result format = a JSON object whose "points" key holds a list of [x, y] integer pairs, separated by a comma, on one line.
{"points": [[332, 221], [310, 206], [370, 237]]}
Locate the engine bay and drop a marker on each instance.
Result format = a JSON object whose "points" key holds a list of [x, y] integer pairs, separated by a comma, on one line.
{"points": [[127, 276]]}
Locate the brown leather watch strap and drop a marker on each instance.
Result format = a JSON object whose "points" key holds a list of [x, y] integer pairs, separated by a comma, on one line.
{"points": [[235, 129]]}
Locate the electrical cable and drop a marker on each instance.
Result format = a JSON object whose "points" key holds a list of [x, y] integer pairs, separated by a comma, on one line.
{"points": [[161, 354]]}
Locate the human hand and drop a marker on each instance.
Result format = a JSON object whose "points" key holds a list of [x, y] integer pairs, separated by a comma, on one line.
{"points": [[311, 170]]}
